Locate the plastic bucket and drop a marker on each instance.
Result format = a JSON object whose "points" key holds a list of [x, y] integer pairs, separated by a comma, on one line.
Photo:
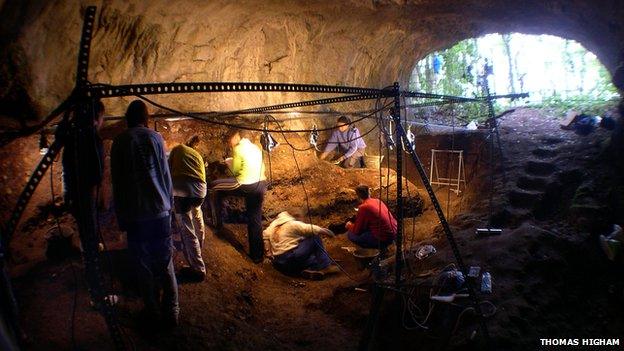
{"points": [[364, 256], [373, 161]]}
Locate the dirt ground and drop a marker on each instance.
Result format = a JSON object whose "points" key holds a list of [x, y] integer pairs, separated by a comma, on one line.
{"points": [[550, 278]]}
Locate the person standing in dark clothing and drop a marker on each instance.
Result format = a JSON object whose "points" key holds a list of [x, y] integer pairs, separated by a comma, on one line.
{"points": [[11, 333], [82, 145], [83, 169], [143, 196]]}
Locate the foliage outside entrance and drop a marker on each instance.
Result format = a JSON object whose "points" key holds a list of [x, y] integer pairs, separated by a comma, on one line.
{"points": [[559, 74]]}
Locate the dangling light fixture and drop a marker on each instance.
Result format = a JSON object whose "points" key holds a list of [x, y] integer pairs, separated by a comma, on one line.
{"points": [[314, 136], [268, 142], [389, 141], [43, 143], [411, 139]]}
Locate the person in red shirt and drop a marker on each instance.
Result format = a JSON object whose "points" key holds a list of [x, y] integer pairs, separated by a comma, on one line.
{"points": [[374, 225]]}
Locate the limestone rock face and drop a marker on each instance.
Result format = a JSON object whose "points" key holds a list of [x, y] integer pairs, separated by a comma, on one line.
{"points": [[363, 43]]}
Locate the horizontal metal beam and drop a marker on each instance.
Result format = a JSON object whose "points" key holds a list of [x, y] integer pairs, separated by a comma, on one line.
{"points": [[508, 96], [105, 91], [214, 118], [417, 94], [327, 101], [452, 98]]}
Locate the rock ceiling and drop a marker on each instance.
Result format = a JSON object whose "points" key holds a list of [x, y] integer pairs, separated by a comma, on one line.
{"points": [[361, 43]]}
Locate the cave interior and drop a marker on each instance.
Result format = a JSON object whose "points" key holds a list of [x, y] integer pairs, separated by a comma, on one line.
{"points": [[290, 69]]}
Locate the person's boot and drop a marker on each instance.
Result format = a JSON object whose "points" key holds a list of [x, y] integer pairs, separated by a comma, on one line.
{"points": [[215, 216], [170, 321], [311, 274], [610, 247], [198, 276], [149, 320], [188, 274], [331, 269]]}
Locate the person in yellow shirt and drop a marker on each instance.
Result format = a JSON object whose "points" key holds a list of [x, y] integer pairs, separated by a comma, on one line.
{"points": [[248, 181], [189, 190]]}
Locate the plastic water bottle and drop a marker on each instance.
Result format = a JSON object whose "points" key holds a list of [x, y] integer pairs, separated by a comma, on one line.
{"points": [[486, 283]]}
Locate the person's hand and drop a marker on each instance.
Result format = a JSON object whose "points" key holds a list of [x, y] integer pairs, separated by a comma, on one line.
{"points": [[228, 162], [349, 225]]}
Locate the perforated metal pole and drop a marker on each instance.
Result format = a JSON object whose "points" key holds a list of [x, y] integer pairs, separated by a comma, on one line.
{"points": [[85, 213], [371, 323], [445, 225], [493, 125], [399, 184], [84, 208], [379, 291]]}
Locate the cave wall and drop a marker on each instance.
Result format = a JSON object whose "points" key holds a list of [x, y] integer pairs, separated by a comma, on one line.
{"points": [[362, 43]]}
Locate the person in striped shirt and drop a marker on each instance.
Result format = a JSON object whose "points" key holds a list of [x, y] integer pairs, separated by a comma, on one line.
{"points": [[249, 181]]}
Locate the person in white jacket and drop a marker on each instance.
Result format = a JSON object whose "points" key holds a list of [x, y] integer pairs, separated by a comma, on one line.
{"points": [[296, 248]]}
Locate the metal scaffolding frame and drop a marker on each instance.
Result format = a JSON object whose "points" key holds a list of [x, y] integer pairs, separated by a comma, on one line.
{"points": [[85, 94]]}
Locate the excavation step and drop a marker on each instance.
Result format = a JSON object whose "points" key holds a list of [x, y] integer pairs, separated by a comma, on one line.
{"points": [[510, 217], [544, 153], [552, 141], [532, 183], [540, 168], [520, 213], [524, 198]]}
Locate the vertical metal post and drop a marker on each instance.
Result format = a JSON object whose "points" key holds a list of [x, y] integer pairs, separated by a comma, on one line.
{"points": [[492, 131], [379, 291], [371, 323], [86, 217], [431, 165], [493, 125], [82, 74], [85, 206], [459, 168], [491, 136], [399, 183], [447, 231]]}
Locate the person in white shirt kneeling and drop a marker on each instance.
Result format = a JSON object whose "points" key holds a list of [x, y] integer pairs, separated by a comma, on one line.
{"points": [[296, 248]]}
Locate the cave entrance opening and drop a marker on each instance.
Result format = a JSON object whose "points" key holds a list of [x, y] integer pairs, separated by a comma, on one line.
{"points": [[559, 74]]}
